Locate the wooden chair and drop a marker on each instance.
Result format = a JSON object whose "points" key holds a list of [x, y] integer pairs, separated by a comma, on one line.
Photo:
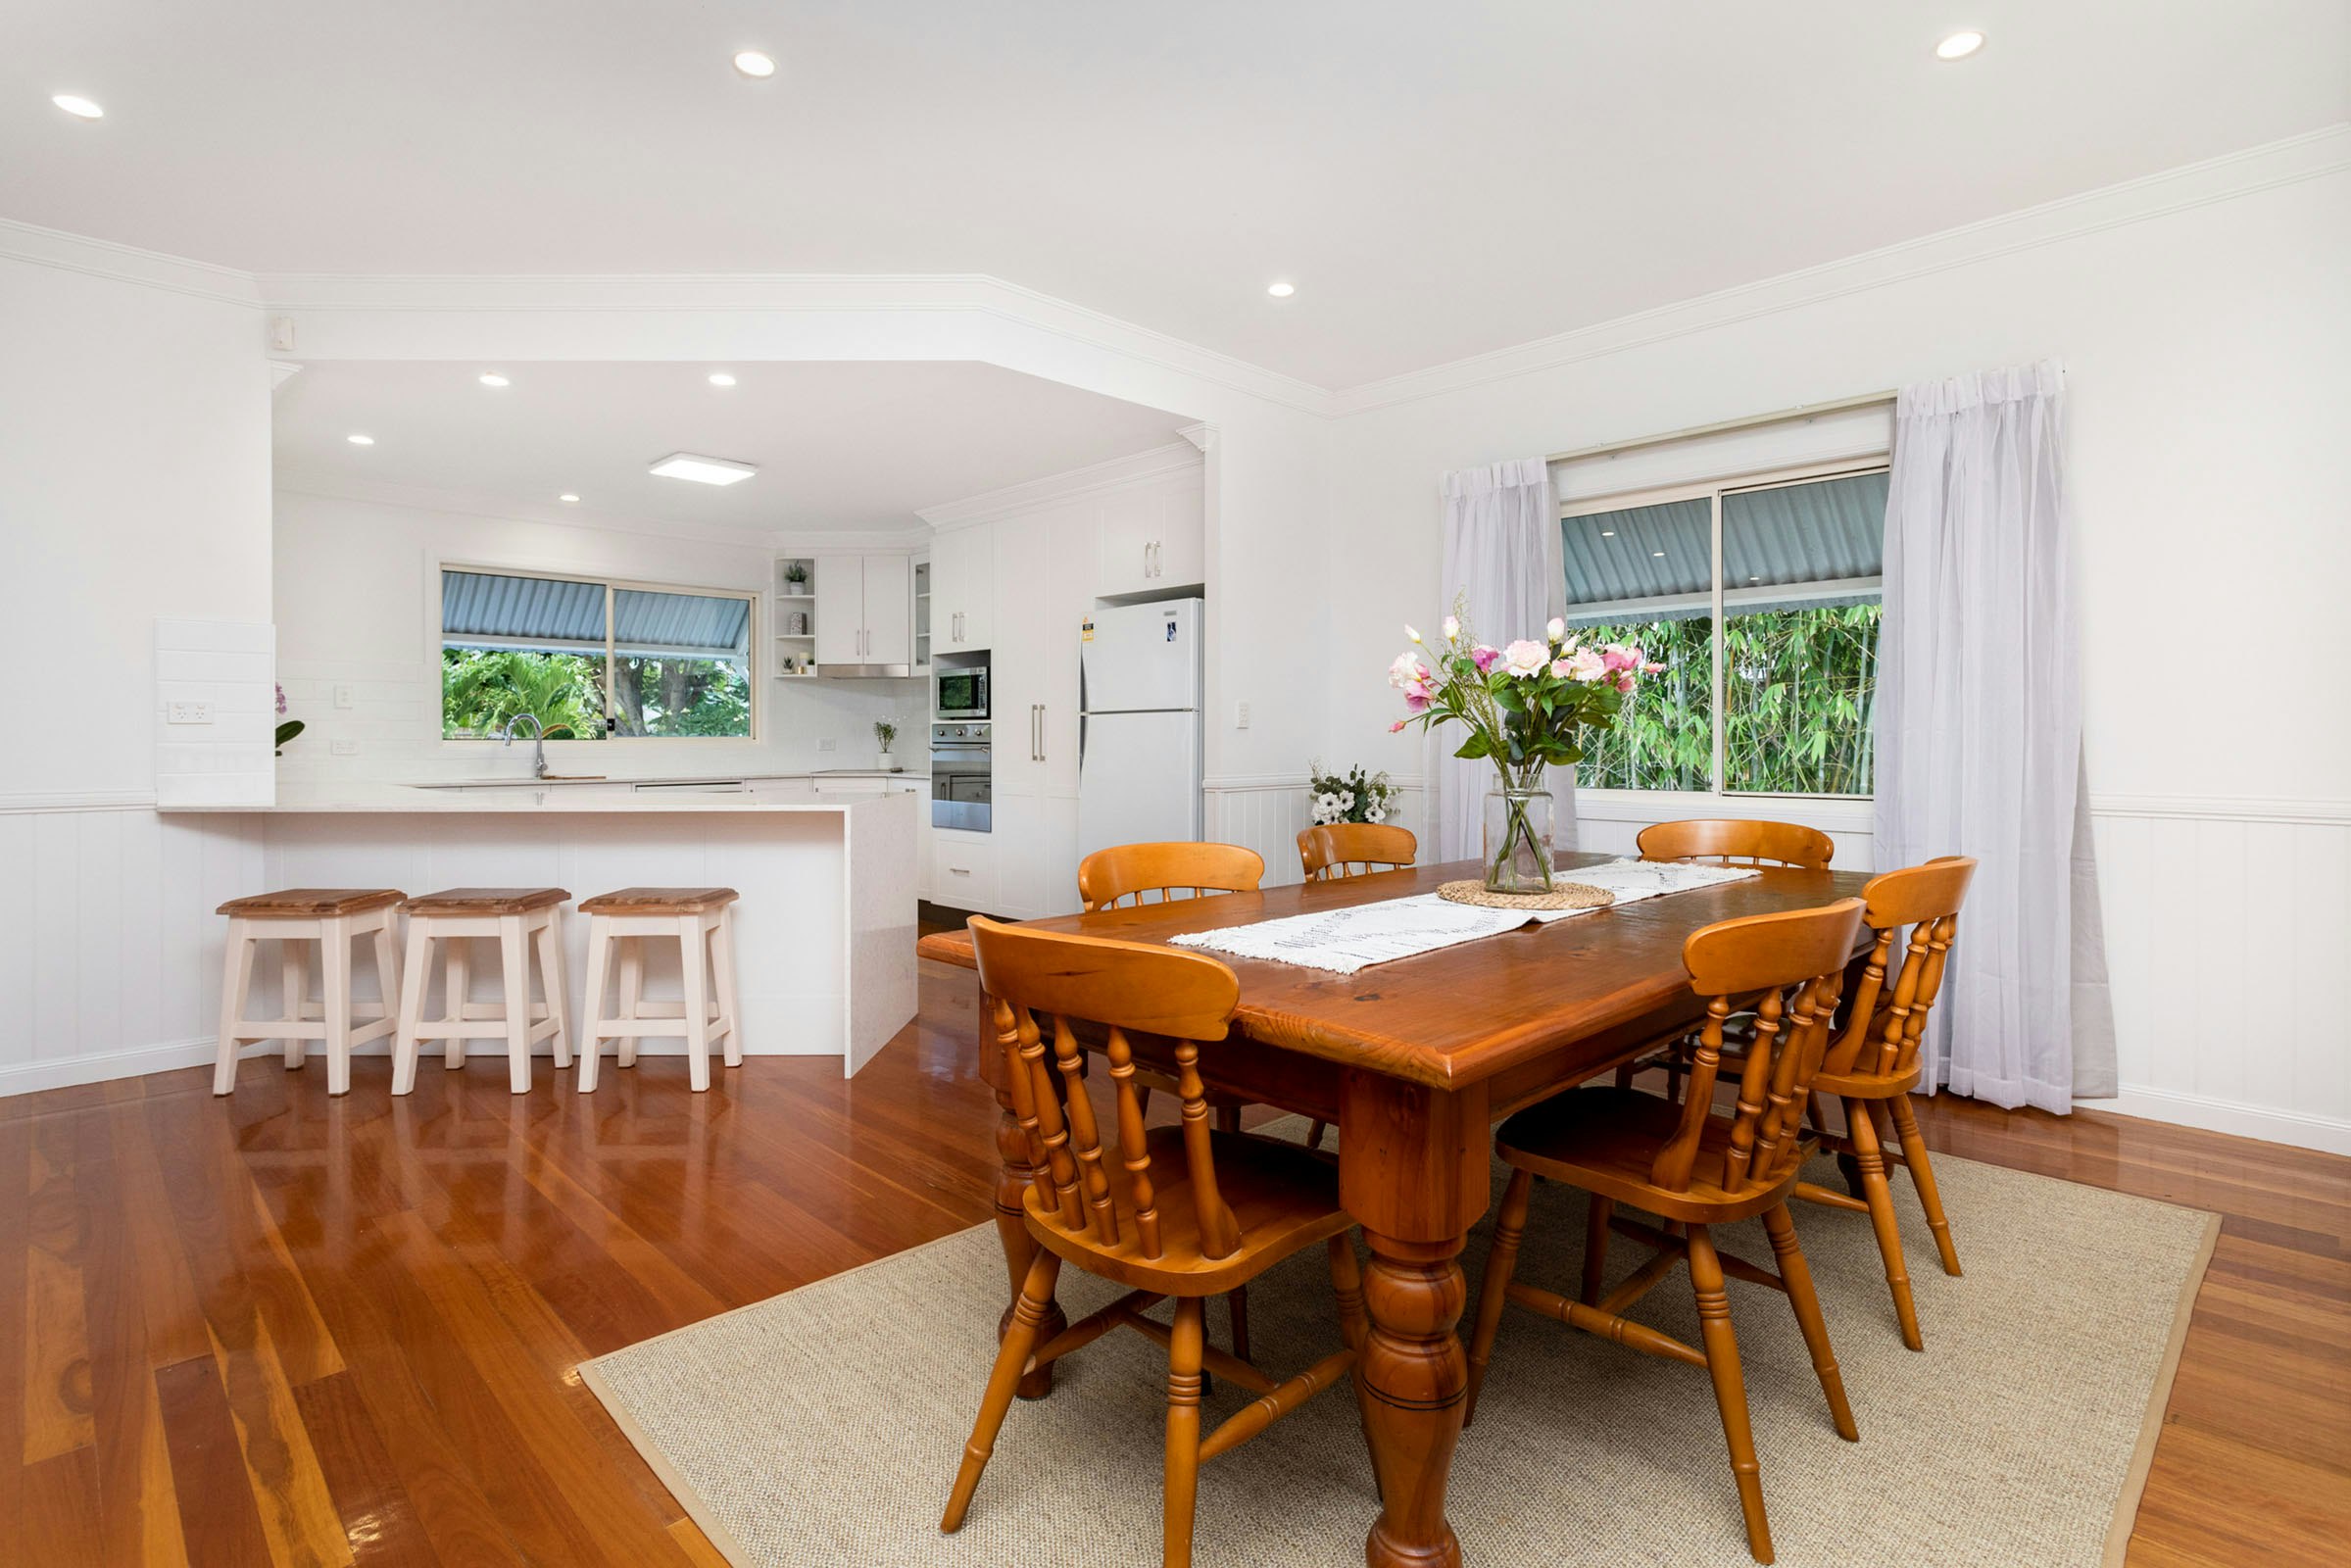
{"points": [[701, 921], [1354, 849], [1874, 1064], [1718, 840], [293, 918], [520, 920], [1734, 843], [1106, 878], [1693, 1169], [1126, 872], [1178, 1211]]}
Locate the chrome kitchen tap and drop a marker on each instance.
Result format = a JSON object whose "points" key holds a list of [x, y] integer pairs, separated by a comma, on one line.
{"points": [[538, 741]]}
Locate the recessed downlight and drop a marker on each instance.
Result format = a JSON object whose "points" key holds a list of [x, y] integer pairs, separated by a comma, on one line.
{"points": [[1959, 45], [755, 64], [493, 378], [703, 470], [567, 495], [1607, 533], [78, 107], [721, 378], [1657, 555], [358, 440], [1281, 291]]}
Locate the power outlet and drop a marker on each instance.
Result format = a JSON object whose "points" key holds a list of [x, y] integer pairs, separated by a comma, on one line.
{"points": [[1241, 716], [343, 696], [187, 712], [345, 748], [827, 744]]}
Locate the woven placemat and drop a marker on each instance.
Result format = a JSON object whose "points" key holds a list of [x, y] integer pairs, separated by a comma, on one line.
{"points": [[1563, 896]]}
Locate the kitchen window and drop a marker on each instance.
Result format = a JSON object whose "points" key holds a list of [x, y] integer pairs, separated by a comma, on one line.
{"points": [[1762, 597], [591, 658]]}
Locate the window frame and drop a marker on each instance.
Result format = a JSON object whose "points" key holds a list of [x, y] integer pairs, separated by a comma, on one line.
{"points": [[1715, 796], [437, 640]]}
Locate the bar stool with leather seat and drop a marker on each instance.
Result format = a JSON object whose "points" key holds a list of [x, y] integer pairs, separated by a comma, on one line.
{"points": [[1695, 1171], [293, 917], [1182, 1211], [702, 922], [518, 920]]}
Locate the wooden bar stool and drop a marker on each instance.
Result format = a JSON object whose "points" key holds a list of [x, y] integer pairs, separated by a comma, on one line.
{"points": [[331, 917], [518, 917], [702, 919]]}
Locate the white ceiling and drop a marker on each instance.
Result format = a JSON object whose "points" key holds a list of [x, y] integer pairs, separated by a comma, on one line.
{"points": [[1439, 179], [839, 446]]}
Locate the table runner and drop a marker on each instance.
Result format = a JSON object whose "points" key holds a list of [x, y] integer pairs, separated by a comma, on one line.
{"points": [[1343, 941]]}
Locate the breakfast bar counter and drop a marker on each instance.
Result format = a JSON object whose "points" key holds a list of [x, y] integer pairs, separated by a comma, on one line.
{"points": [[825, 928]]}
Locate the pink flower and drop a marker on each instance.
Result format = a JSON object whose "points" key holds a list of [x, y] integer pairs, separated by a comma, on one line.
{"points": [[1653, 667], [1557, 629], [1452, 628], [1485, 658], [1586, 665], [1415, 703], [1414, 679], [1620, 658], [1396, 726], [1624, 683], [1564, 667], [1522, 658]]}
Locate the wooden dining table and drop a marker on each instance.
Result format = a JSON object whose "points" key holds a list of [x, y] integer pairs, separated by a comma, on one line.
{"points": [[1413, 1061]]}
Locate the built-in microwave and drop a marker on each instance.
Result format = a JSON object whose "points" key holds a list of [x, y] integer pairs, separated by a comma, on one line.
{"points": [[962, 691]]}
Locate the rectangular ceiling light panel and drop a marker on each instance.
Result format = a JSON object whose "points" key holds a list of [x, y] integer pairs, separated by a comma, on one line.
{"points": [[703, 470]]}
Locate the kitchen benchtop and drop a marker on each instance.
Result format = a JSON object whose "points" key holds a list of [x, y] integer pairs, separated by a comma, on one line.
{"points": [[554, 798]]}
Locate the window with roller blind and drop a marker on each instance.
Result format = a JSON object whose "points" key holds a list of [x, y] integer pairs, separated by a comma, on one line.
{"points": [[1762, 597], [593, 658]]}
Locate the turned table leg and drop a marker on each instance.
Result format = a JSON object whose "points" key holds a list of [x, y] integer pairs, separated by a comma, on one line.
{"points": [[1413, 1171], [1014, 1174]]}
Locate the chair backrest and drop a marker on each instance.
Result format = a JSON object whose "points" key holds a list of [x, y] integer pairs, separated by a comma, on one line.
{"points": [[1131, 870], [1886, 1022], [1738, 843], [1350, 849], [1038, 984], [1787, 970]]}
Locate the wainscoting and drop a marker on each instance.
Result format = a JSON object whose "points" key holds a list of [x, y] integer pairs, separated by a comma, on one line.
{"points": [[2227, 922]]}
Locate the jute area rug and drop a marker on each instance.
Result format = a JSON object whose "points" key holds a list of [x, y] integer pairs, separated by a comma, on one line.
{"points": [[823, 1426]]}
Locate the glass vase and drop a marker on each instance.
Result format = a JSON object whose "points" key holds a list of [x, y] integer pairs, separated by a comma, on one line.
{"points": [[1518, 841]]}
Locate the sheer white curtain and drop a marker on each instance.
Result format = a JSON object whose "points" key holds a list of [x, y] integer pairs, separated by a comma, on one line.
{"points": [[1979, 732], [1502, 552]]}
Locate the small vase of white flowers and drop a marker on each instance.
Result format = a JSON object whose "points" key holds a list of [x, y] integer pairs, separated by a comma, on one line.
{"points": [[1350, 797]]}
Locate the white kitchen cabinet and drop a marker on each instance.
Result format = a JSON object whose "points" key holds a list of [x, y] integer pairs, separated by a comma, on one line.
{"points": [[1151, 538], [864, 611], [963, 870], [1043, 564], [963, 579]]}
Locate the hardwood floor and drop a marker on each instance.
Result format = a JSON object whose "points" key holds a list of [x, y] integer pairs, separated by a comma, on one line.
{"points": [[284, 1329]]}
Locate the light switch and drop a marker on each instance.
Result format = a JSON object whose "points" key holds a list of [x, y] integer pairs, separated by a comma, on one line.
{"points": [[188, 712], [343, 696], [346, 748], [828, 744], [1241, 716]]}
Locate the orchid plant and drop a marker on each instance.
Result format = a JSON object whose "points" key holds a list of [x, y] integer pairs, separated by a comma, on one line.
{"points": [[1524, 705]]}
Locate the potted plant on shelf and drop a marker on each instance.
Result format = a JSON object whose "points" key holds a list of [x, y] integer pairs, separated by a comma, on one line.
{"points": [[1526, 706], [886, 733], [796, 577]]}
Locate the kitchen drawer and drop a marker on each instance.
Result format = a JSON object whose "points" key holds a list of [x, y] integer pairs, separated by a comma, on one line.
{"points": [[963, 870]]}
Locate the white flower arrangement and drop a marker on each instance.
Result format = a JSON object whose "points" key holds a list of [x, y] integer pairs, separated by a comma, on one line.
{"points": [[1350, 797]]}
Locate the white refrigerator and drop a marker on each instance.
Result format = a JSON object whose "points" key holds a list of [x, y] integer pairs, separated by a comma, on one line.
{"points": [[1140, 673]]}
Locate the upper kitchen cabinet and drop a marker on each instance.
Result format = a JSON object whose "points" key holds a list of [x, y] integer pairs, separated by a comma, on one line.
{"points": [[962, 589], [1152, 538], [864, 611]]}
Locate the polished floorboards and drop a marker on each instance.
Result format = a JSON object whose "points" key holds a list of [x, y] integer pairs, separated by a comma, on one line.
{"points": [[287, 1329]]}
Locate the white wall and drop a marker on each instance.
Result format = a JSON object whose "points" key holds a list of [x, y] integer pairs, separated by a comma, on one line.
{"points": [[2205, 325], [134, 484], [357, 597]]}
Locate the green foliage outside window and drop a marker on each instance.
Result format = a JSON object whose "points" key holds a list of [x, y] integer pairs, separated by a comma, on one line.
{"points": [[484, 689], [1797, 705], [679, 696]]}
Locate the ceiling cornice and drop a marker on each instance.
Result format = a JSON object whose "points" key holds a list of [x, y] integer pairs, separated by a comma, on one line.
{"points": [[2311, 156], [127, 264], [1095, 477]]}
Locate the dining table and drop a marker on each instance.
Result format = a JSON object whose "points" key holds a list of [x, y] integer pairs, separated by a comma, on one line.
{"points": [[1413, 1061]]}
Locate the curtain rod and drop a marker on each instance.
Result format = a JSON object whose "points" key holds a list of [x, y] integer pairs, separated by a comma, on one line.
{"points": [[1803, 410]]}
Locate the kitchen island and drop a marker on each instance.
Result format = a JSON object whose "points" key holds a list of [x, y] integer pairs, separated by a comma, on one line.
{"points": [[824, 932]]}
